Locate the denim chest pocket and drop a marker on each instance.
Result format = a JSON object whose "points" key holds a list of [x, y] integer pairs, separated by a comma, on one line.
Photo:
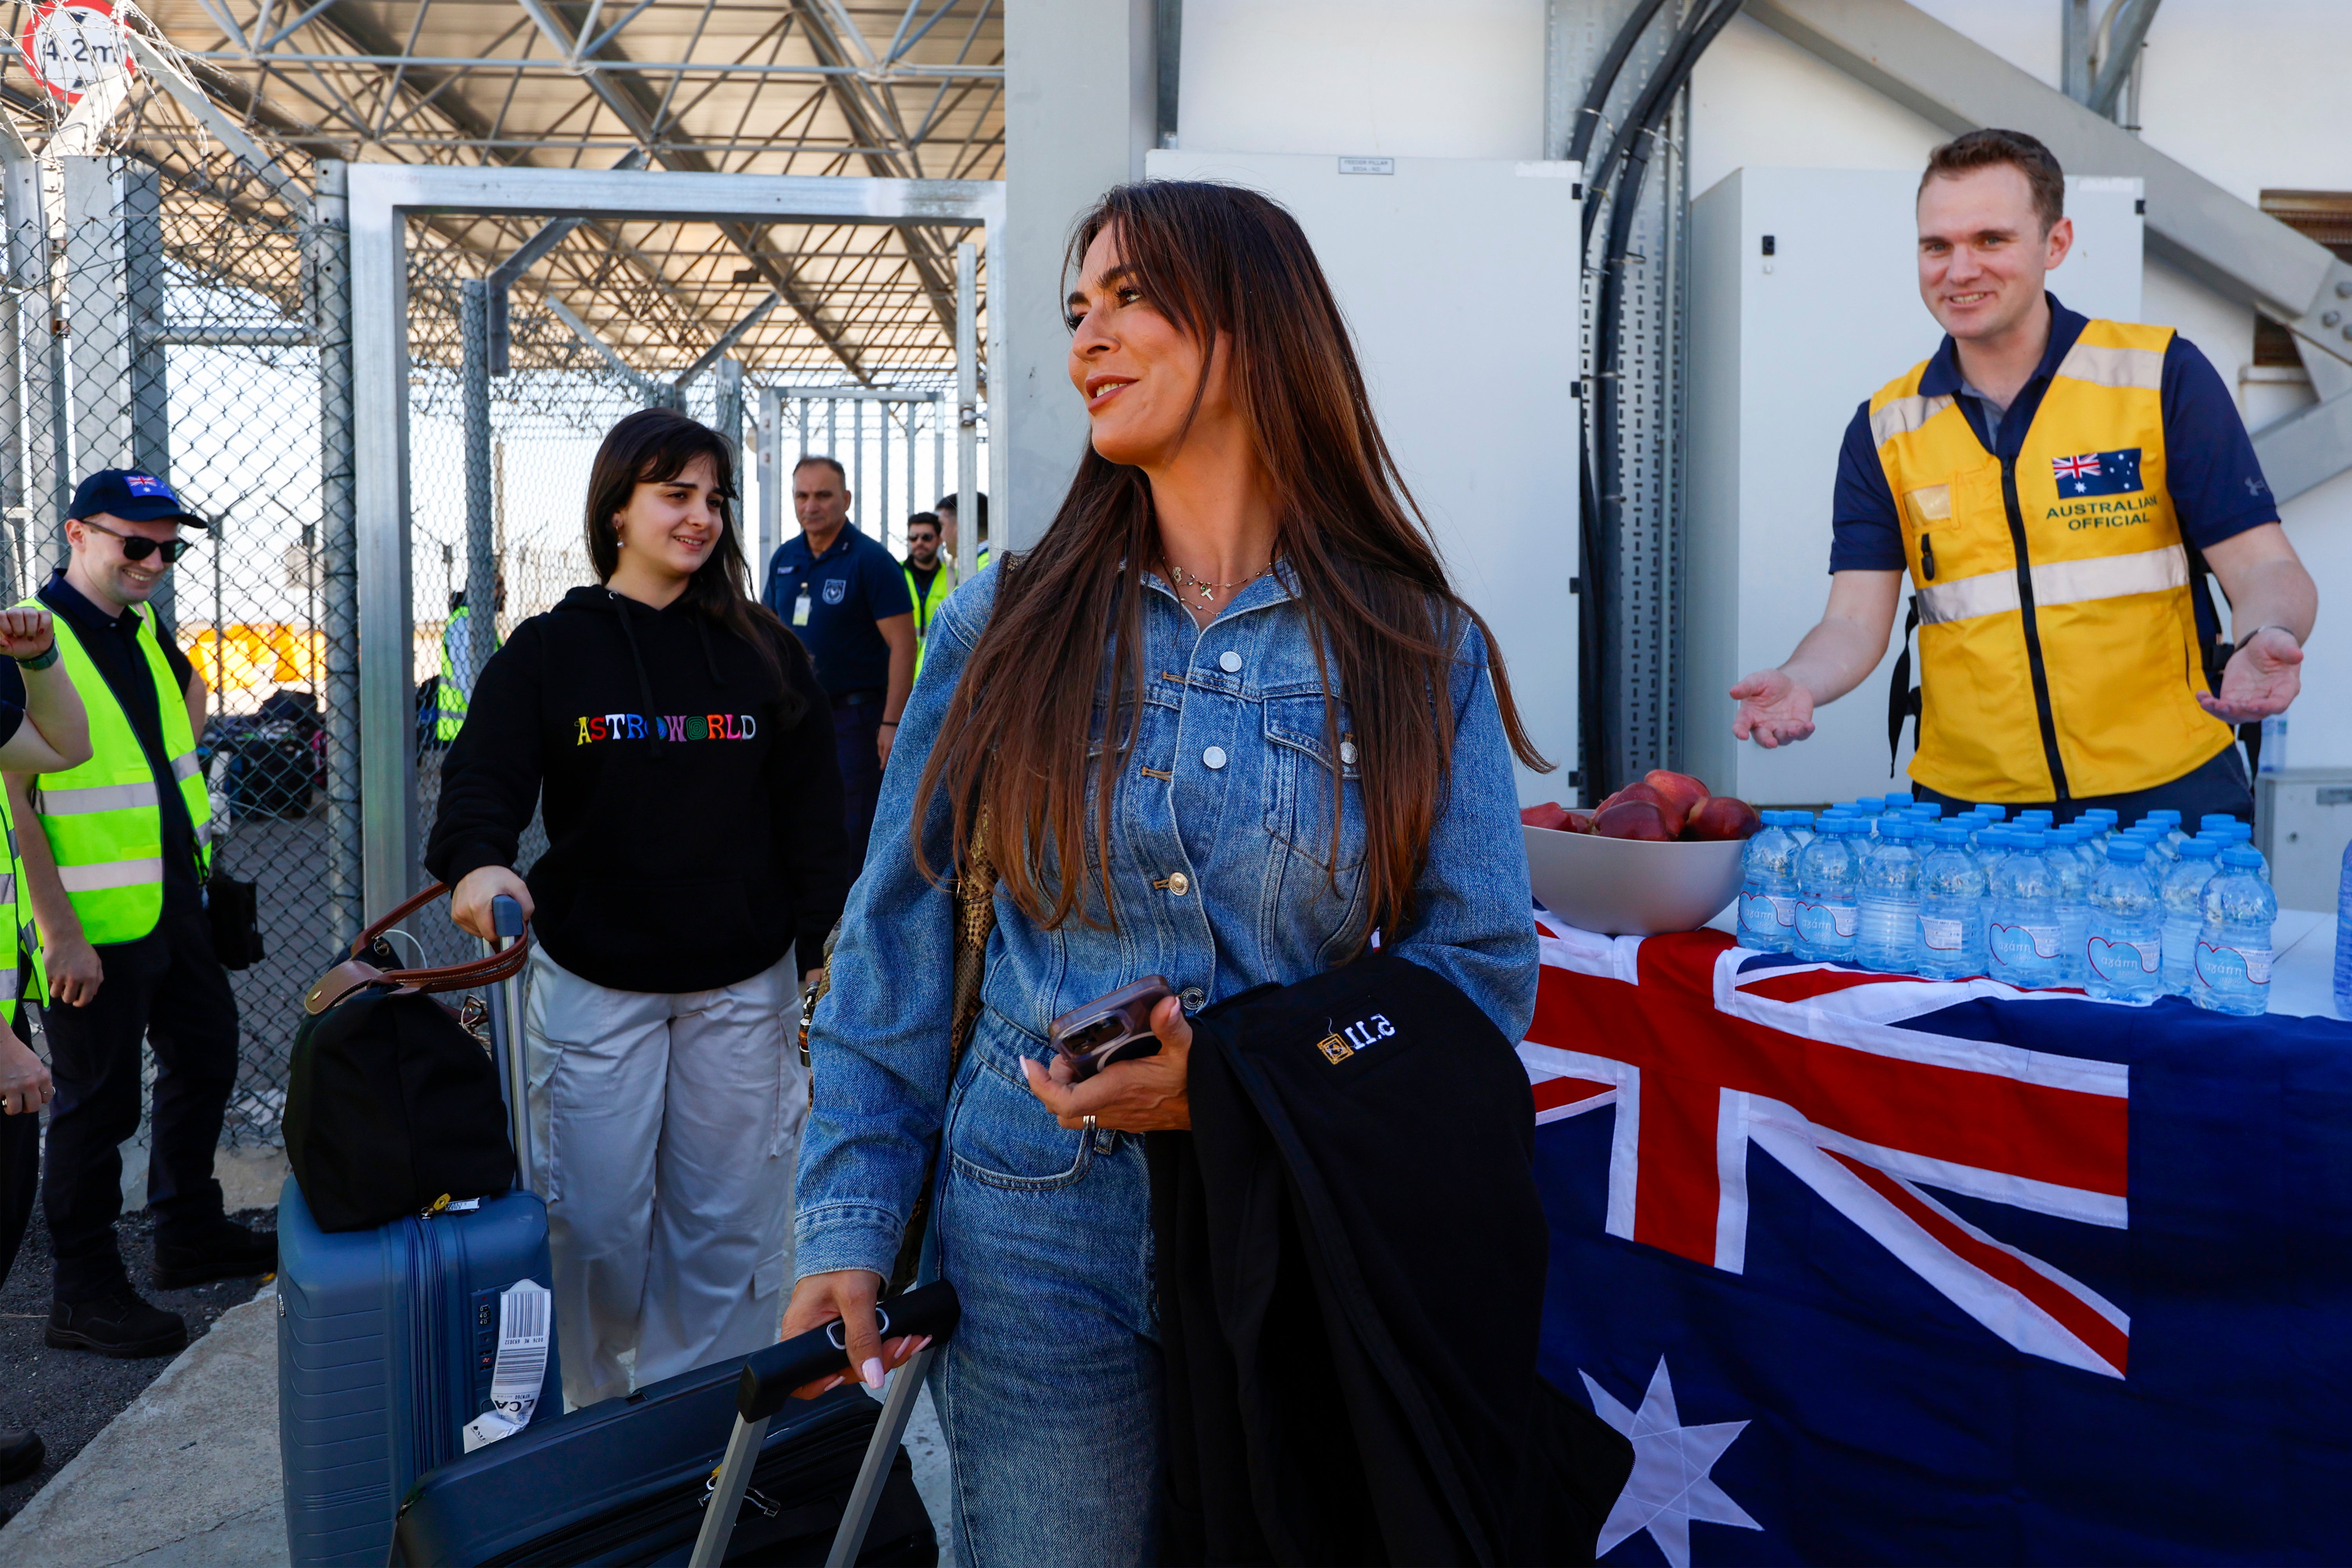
{"points": [[1301, 771], [1002, 1136]]}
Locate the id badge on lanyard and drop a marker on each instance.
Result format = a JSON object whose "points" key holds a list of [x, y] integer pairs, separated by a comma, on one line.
{"points": [[801, 609]]}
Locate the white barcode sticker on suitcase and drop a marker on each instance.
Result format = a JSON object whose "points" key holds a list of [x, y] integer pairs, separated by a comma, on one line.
{"points": [[523, 1313]]}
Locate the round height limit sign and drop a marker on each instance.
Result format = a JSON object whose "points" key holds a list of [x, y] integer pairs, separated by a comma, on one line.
{"points": [[73, 46]]}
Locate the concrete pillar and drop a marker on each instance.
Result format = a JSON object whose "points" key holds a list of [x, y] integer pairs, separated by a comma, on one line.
{"points": [[1073, 69]]}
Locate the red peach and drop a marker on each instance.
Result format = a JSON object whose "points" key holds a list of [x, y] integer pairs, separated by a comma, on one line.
{"points": [[1633, 819]]}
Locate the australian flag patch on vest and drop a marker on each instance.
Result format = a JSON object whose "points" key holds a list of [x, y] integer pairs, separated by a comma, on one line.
{"points": [[2098, 473]]}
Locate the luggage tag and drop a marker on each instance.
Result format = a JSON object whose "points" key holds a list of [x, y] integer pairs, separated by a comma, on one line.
{"points": [[524, 1313]]}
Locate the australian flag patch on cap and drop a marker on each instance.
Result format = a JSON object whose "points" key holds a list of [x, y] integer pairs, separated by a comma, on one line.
{"points": [[2098, 473], [140, 484]]}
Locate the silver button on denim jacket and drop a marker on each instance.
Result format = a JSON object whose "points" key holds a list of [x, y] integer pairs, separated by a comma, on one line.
{"points": [[1223, 878]]}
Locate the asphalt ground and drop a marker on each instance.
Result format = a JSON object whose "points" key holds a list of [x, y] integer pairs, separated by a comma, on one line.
{"points": [[69, 1397]]}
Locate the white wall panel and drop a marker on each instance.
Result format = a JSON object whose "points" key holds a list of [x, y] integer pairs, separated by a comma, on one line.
{"points": [[1470, 363], [1459, 79]]}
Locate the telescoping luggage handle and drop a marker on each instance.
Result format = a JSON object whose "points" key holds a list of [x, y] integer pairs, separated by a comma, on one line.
{"points": [[769, 1378]]}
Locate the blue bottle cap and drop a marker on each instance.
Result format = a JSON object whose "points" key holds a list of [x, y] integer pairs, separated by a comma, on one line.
{"points": [[1899, 830], [2169, 817], [2202, 848], [2037, 817], [2243, 832], [2105, 814], [1796, 820], [1988, 811], [2028, 840], [2126, 851], [1898, 799], [1950, 834], [2216, 819], [1925, 811], [2243, 856]]}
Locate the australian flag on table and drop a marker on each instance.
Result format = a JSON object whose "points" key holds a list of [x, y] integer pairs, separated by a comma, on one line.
{"points": [[1875, 1269]]}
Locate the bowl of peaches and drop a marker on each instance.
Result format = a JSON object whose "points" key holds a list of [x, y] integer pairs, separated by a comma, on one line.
{"points": [[1658, 856]]}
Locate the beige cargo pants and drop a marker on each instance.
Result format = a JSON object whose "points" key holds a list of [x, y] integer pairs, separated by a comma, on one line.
{"points": [[665, 1131]]}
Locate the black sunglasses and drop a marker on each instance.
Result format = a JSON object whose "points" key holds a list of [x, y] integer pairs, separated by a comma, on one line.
{"points": [[137, 547]]}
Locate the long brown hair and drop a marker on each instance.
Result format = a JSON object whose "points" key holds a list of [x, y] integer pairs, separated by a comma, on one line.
{"points": [[652, 446], [1067, 622]]}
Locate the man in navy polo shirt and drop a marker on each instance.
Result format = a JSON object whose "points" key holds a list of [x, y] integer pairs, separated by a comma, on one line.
{"points": [[845, 598]]}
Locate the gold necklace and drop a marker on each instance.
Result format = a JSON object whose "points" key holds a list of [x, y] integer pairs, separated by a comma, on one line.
{"points": [[1187, 584]]}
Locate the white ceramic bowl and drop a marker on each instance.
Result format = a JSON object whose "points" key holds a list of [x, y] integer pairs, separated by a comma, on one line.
{"points": [[1627, 887]]}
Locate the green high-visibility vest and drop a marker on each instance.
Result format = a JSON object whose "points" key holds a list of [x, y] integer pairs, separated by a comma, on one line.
{"points": [[104, 819], [20, 946], [456, 675], [926, 605]]}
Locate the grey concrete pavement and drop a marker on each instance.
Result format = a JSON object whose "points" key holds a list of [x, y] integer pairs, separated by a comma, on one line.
{"points": [[187, 1477]]}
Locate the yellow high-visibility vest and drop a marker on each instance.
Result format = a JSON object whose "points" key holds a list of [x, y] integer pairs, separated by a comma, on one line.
{"points": [[926, 605], [20, 946], [2058, 646], [104, 819]]}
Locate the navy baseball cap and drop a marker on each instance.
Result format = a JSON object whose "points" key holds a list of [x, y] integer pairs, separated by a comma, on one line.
{"points": [[131, 494]]}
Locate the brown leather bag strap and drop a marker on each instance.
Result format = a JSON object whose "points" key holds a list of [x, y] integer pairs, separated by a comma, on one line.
{"points": [[497, 966]]}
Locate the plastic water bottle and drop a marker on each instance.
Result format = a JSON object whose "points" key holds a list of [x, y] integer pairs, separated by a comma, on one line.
{"points": [[2238, 832], [1924, 811], [1829, 879], [2102, 822], [2125, 957], [2037, 818], [2023, 938], [2163, 840], [2216, 819], [2231, 973], [1867, 810], [2274, 744], [1768, 886], [2061, 848], [1799, 825], [1951, 906], [2172, 833], [1899, 800], [2183, 893], [2344, 937], [1889, 934]]}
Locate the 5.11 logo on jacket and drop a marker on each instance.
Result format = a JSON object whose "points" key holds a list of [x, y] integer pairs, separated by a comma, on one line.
{"points": [[1338, 1045], [666, 727]]}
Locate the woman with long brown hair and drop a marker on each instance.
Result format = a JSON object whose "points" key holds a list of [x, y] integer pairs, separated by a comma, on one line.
{"points": [[1228, 723], [680, 753]]}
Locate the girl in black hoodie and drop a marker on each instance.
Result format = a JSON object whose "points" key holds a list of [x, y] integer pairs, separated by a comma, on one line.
{"points": [[675, 740]]}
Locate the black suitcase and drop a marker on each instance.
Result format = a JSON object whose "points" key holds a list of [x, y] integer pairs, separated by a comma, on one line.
{"points": [[630, 1480]]}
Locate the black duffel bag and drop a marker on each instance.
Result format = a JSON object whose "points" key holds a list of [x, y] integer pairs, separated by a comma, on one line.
{"points": [[391, 1104]]}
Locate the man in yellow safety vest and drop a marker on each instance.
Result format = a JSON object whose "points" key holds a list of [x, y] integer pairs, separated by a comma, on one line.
{"points": [[115, 877], [456, 685], [928, 576], [2051, 486]]}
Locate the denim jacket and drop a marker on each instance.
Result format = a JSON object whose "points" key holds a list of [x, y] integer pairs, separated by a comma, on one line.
{"points": [[1222, 879]]}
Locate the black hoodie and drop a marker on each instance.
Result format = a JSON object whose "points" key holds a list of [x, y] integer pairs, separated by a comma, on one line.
{"points": [[692, 806]]}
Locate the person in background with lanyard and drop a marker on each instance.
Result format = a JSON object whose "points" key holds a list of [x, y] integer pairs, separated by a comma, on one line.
{"points": [[845, 597], [926, 576], [115, 878], [47, 733], [2051, 483]]}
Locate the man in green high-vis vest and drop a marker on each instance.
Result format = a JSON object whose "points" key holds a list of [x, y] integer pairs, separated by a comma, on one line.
{"points": [[115, 876]]}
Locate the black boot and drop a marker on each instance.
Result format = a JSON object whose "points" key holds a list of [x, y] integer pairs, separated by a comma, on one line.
{"points": [[222, 1250], [20, 1454], [117, 1324]]}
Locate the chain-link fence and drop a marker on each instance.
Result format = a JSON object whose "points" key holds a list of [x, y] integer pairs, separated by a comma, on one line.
{"points": [[167, 321]]}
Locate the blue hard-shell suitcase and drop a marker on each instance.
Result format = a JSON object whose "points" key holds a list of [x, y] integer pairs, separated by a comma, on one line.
{"points": [[385, 1343], [387, 1338]]}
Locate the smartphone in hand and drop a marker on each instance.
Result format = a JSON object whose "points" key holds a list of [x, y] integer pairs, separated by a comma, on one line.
{"points": [[1112, 1029]]}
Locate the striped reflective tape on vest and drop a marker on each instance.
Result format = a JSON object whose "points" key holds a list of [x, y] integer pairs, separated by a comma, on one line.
{"points": [[8, 888], [2139, 369], [186, 766], [99, 874], [2056, 582], [92, 799], [1903, 415]]}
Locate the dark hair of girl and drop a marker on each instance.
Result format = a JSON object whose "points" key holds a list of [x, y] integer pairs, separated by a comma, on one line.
{"points": [[657, 445], [1227, 267]]}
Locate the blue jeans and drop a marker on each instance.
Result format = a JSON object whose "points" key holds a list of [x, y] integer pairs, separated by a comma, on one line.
{"points": [[1050, 1393]]}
